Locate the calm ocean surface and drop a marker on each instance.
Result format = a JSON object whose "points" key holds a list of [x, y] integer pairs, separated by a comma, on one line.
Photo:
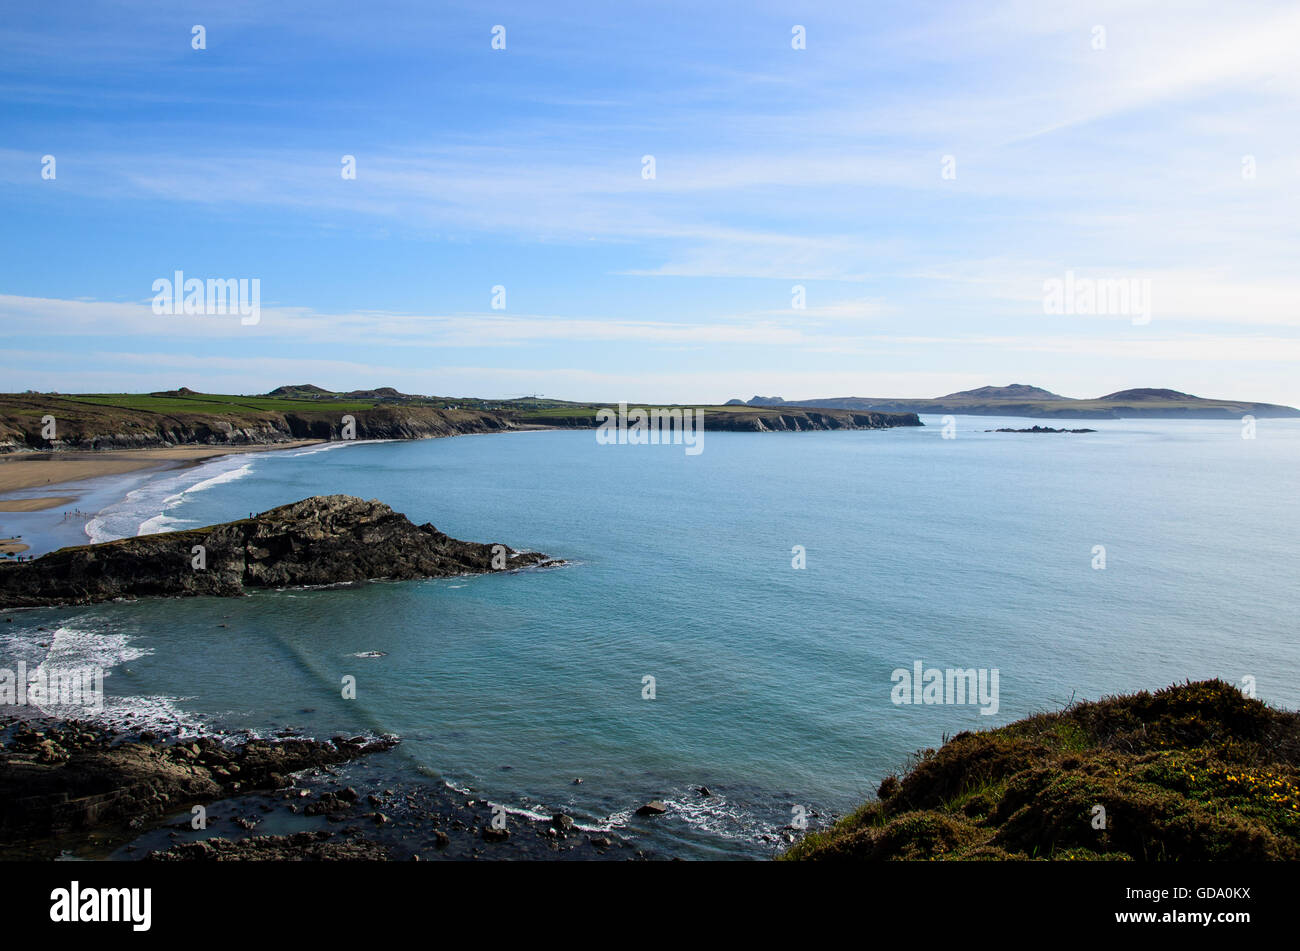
{"points": [[772, 684]]}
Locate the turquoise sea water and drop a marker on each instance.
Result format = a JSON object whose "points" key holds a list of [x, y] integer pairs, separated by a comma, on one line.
{"points": [[772, 684]]}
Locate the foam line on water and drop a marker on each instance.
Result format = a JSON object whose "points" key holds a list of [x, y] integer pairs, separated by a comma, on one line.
{"points": [[143, 511]]}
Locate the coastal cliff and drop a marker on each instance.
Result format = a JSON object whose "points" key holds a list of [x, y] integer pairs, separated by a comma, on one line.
{"points": [[54, 423], [762, 420], [322, 540], [158, 424]]}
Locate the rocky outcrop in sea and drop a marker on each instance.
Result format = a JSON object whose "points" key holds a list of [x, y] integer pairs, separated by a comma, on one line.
{"points": [[323, 540]]}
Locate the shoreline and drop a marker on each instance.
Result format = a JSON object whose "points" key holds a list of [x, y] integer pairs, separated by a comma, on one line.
{"points": [[55, 470], [34, 524], [294, 798]]}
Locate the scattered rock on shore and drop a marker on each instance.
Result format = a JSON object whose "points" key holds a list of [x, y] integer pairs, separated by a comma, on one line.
{"points": [[66, 776], [301, 846]]}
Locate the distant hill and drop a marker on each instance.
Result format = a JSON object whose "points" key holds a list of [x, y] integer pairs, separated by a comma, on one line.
{"points": [[308, 391], [1019, 399], [299, 391], [1016, 391], [1147, 395], [381, 394]]}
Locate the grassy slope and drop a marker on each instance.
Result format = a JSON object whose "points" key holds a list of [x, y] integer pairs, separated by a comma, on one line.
{"points": [[215, 403], [1192, 772]]}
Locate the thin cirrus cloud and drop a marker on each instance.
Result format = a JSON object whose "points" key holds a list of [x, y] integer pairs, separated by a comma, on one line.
{"points": [[821, 168]]}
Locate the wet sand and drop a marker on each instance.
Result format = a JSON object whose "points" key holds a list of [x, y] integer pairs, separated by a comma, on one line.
{"points": [[20, 471], [35, 505]]}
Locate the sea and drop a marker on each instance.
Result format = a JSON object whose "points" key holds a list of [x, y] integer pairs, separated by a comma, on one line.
{"points": [[747, 619]]}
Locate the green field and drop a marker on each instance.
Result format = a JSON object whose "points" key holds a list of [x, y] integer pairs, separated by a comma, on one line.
{"points": [[214, 403]]}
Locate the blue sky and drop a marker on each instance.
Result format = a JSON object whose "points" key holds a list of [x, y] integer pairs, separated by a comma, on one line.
{"points": [[774, 167]]}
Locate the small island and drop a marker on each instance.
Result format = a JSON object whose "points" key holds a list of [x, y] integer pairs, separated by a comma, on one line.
{"points": [[1039, 429]]}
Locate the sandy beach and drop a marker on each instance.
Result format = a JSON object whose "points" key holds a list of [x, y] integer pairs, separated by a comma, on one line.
{"points": [[22, 471]]}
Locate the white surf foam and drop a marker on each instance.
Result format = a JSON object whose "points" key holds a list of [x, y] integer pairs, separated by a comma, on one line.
{"points": [[144, 510], [161, 523], [220, 479], [330, 446]]}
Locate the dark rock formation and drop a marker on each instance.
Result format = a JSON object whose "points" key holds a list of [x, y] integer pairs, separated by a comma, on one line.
{"points": [[1040, 429], [323, 540], [67, 776], [320, 846]]}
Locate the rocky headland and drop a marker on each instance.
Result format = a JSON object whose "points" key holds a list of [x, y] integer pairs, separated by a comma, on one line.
{"points": [[323, 540]]}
